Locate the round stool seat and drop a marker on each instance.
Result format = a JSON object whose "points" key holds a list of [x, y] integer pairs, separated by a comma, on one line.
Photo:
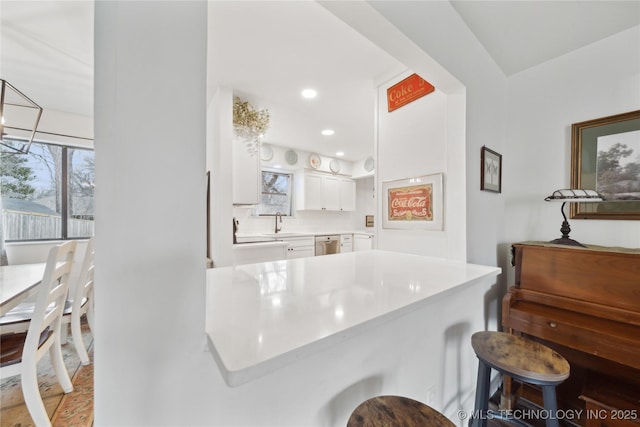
{"points": [[390, 411], [520, 358]]}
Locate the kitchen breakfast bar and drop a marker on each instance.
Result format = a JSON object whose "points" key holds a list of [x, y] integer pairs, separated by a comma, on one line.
{"points": [[338, 329]]}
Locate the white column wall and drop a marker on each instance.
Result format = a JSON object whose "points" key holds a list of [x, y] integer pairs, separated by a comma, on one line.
{"points": [[412, 141], [445, 52], [150, 99]]}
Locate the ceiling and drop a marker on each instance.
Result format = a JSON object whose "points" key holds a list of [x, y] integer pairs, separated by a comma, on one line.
{"points": [[269, 51]]}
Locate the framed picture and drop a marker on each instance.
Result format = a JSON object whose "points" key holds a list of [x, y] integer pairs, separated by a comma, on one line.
{"points": [[490, 170], [413, 203], [605, 156]]}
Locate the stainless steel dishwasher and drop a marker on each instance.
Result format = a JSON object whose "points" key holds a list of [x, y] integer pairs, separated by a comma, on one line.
{"points": [[326, 245]]}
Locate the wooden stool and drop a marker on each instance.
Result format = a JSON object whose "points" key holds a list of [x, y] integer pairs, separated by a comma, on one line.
{"points": [[520, 358], [396, 411]]}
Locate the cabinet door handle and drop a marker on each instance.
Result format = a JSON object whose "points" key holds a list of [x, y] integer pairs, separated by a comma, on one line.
{"points": [[553, 324]]}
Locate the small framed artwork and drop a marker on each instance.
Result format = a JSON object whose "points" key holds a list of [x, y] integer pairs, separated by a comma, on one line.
{"points": [[413, 203], [490, 170]]}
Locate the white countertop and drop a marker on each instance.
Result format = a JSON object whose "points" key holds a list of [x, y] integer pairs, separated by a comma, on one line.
{"points": [[286, 234], [261, 317]]}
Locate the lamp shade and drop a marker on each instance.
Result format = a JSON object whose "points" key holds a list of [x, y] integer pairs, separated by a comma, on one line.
{"points": [[576, 195]]}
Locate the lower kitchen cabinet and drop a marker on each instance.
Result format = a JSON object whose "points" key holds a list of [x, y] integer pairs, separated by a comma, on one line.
{"points": [[300, 247], [346, 243], [362, 242], [258, 252]]}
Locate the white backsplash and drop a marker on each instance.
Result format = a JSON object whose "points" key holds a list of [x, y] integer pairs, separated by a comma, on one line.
{"points": [[314, 221], [301, 222]]}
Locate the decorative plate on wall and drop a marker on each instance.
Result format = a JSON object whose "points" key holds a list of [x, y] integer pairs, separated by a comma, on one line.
{"points": [[266, 153], [369, 164], [291, 157], [334, 165], [314, 161]]}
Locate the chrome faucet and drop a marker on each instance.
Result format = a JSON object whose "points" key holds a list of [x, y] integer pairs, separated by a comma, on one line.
{"points": [[278, 214]]}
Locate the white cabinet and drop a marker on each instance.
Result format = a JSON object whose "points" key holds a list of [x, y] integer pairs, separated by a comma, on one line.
{"points": [[317, 191], [250, 253], [362, 242], [246, 176], [346, 243], [347, 189], [300, 247]]}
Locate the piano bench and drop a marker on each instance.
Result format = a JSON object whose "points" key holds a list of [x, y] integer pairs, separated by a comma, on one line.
{"points": [[520, 358]]}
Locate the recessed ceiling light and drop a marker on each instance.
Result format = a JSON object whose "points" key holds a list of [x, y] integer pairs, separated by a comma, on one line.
{"points": [[340, 153], [309, 93], [328, 132]]}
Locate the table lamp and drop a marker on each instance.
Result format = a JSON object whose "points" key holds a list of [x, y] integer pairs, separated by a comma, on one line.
{"points": [[571, 196]]}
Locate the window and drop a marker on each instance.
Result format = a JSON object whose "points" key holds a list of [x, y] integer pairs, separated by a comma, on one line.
{"points": [[276, 193], [48, 193]]}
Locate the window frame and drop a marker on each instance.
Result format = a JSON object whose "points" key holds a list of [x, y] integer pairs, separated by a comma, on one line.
{"points": [[290, 193], [64, 191]]}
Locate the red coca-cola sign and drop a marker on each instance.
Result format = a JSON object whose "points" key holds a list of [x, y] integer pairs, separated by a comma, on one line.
{"points": [[412, 203]]}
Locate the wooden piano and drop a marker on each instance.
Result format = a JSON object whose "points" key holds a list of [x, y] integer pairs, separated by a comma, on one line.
{"points": [[584, 303]]}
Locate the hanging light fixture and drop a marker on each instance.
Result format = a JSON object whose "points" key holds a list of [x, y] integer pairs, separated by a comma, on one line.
{"points": [[21, 115], [571, 196]]}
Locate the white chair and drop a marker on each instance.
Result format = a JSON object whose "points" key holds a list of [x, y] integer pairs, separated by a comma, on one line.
{"points": [[18, 318], [82, 303], [20, 352]]}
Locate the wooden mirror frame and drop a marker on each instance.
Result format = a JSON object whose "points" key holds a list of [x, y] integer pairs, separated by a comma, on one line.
{"points": [[584, 138]]}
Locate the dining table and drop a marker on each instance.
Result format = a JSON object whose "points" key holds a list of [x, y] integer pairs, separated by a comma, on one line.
{"points": [[17, 283]]}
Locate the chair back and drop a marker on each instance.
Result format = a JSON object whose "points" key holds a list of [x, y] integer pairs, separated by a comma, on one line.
{"points": [[84, 288], [47, 316]]}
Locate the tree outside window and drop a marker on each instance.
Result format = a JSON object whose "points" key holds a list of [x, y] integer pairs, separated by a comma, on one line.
{"points": [[48, 193], [276, 193]]}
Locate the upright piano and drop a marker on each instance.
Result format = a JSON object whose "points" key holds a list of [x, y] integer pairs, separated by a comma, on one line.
{"points": [[585, 304]]}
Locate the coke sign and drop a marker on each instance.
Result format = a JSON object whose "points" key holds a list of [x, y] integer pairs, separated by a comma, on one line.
{"points": [[412, 203], [406, 91]]}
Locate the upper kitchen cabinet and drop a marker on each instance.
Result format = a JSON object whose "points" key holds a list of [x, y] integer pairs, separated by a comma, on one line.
{"points": [[318, 191], [246, 176], [347, 188]]}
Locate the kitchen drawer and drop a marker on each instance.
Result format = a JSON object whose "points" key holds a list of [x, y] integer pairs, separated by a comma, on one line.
{"points": [[296, 242], [300, 247], [300, 252]]}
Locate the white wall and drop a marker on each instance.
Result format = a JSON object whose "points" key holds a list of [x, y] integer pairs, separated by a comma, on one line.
{"points": [[413, 141], [219, 161], [445, 52], [150, 95], [366, 201], [598, 80]]}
